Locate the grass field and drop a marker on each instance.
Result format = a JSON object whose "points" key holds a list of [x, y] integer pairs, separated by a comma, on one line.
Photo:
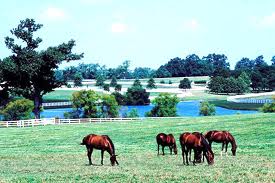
{"points": [[236, 106], [53, 153]]}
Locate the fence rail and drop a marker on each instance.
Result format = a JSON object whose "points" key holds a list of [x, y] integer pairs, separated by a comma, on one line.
{"points": [[56, 104], [57, 121]]}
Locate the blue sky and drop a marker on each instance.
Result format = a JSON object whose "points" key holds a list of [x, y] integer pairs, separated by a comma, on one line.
{"points": [[148, 32]]}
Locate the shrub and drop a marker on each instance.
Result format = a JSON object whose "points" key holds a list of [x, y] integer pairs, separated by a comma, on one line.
{"points": [[165, 106], [18, 110], [185, 84], [162, 82], [200, 82], [207, 109], [269, 107]]}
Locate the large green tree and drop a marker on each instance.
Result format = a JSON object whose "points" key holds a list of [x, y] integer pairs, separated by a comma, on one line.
{"points": [[165, 106], [29, 72]]}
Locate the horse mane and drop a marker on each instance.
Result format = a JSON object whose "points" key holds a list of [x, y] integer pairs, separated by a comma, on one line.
{"points": [[205, 144], [111, 142], [232, 140]]}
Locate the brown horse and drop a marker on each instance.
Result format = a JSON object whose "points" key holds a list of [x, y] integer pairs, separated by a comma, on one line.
{"points": [[198, 143], [166, 140], [223, 137], [101, 142]]}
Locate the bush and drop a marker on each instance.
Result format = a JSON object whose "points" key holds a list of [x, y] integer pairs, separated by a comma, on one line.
{"points": [[18, 110], [162, 82], [106, 87], [207, 109], [200, 82], [170, 82], [118, 87], [165, 106], [132, 114], [185, 84], [269, 107]]}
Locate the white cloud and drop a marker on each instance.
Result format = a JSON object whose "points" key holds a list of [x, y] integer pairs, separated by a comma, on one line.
{"points": [[95, 1], [268, 20], [191, 24], [53, 13], [119, 27]]}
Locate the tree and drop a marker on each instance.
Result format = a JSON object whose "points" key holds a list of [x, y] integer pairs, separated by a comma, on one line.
{"points": [[121, 99], [29, 72], [136, 95], [113, 82], [18, 110], [106, 87], [89, 104], [207, 109], [220, 66], [100, 80], [137, 83], [185, 84], [143, 72], [118, 87], [151, 84], [133, 113], [109, 106], [78, 79], [269, 107], [85, 103], [165, 106]]}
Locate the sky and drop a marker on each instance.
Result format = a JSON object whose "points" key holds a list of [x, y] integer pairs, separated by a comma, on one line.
{"points": [[148, 32]]}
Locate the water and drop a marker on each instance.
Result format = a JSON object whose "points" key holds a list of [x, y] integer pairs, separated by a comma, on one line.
{"points": [[188, 108]]}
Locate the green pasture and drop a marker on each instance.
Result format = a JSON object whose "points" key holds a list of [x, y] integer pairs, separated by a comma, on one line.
{"points": [[236, 106], [53, 154]]}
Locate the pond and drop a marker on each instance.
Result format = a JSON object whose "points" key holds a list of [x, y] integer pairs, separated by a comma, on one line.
{"points": [[187, 108]]}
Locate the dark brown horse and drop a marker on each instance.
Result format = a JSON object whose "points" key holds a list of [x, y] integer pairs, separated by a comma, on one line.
{"points": [[101, 142], [166, 140], [223, 137], [198, 143]]}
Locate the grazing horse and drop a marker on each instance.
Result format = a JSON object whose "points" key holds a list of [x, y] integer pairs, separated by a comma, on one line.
{"points": [[198, 143], [101, 142], [166, 140], [223, 137]]}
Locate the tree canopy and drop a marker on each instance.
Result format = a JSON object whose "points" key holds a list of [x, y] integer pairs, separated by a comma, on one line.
{"points": [[29, 72]]}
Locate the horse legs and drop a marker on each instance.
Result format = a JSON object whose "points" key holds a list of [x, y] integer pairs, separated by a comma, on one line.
{"points": [[226, 145], [102, 154], [186, 154], [158, 149], [162, 150], [89, 154], [195, 153], [170, 150], [183, 151], [222, 148], [190, 154]]}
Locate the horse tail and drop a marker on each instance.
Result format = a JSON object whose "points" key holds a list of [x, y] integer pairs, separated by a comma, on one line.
{"points": [[208, 134], [85, 140]]}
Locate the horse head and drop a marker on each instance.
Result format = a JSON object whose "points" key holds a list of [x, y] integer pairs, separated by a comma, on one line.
{"points": [[113, 160], [234, 148]]}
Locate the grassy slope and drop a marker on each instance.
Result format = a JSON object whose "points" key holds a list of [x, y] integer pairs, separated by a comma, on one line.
{"points": [[53, 153], [236, 106]]}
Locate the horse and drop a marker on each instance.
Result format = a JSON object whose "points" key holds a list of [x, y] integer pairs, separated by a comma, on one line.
{"points": [[166, 140], [101, 142], [223, 137], [198, 143]]}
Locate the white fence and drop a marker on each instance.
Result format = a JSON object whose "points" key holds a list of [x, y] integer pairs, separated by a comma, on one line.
{"points": [[251, 98], [56, 121], [56, 104]]}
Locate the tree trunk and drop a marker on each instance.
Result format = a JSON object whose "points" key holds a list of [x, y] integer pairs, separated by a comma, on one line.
{"points": [[37, 106]]}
